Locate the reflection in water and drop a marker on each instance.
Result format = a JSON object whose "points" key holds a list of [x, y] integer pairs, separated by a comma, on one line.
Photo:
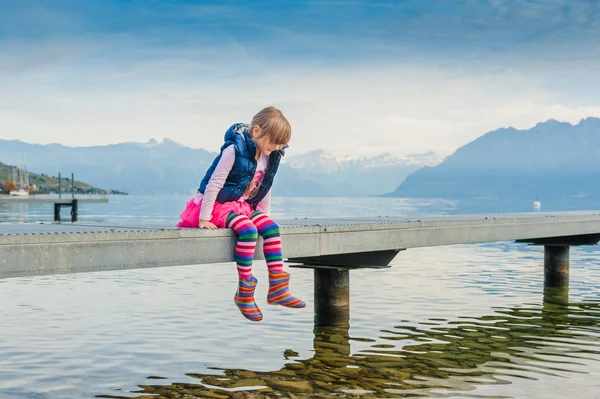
{"points": [[439, 358]]}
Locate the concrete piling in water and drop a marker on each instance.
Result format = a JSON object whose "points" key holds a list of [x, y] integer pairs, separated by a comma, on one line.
{"points": [[74, 210], [332, 282], [332, 297], [556, 265], [556, 262]]}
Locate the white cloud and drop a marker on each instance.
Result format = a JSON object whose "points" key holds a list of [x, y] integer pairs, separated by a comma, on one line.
{"points": [[192, 97]]}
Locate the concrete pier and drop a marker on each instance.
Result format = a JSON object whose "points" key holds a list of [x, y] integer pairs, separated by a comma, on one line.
{"points": [[332, 247], [41, 249]]}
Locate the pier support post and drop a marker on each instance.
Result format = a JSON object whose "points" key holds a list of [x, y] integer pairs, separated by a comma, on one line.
{"points": [[556, 265], [332, 297], [74, 210], [332, 282], [56, 212]]}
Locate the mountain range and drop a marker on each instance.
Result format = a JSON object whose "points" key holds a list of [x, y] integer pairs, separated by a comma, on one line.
{"points": [[169, 167], [553, 160]]}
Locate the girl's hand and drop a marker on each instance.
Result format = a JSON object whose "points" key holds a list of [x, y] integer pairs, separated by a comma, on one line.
{"points": [[206, 224]]}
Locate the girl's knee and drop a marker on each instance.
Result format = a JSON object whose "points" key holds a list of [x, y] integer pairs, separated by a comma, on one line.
{"points": [[247, 232], [242, 225], [266, 226], [251, 228], [268, 229], [274, 225]]}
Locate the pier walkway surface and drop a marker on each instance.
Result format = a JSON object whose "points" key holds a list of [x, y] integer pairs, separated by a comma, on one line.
{"points": [[53, 248]]}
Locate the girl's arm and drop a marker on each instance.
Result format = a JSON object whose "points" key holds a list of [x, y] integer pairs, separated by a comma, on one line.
{"points": [[216, 182], [265, 204]]}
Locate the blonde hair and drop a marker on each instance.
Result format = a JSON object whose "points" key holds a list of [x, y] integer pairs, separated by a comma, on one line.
{"points": [[273, 125]]}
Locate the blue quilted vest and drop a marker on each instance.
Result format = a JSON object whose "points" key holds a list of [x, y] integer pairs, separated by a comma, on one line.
{"points": [[243, 168]]}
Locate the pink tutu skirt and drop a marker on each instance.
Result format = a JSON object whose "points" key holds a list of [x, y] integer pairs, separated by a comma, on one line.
{"points": [[191, 214]]}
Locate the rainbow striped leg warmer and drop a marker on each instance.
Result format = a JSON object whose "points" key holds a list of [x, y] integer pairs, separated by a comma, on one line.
{"points": [[279, 293], [269, 231], [246, 244], [244, 253]]}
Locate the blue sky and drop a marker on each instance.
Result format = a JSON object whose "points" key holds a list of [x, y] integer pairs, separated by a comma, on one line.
{"points": [[354, 77]]}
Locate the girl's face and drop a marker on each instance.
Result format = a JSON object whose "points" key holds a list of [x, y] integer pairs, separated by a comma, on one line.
{"points": [[263, 144]]}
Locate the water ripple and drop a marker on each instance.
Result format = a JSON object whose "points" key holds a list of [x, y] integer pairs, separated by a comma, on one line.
{"points": [[458, 321]]}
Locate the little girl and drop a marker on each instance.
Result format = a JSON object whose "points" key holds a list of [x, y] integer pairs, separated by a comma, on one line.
{"points": [[236, 192]]}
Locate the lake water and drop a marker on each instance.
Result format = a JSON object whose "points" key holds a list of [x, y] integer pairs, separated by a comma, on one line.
{"points": [[462, 321]]}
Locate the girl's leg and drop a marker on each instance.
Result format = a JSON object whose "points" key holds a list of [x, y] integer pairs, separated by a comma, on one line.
{"points": [[244, 253], [279, 292], [244, 249]]}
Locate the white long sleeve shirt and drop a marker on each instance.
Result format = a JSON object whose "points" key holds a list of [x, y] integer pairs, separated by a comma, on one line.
{"points": [[218, 178]]}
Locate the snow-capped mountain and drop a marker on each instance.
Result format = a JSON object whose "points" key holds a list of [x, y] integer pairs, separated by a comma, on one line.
{"points": [[328, 162], [167, 166], [318, 160], [361, 176]]}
